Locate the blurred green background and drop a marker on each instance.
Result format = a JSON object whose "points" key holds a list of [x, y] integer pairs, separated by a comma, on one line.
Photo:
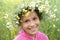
{"points": [[49, 25]]}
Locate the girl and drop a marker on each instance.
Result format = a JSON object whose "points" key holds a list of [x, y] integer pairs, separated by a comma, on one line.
{"points": [[29, 20]]}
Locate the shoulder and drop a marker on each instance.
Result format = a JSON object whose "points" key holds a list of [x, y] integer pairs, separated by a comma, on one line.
{"points": [[20, 36], [42, 36]]}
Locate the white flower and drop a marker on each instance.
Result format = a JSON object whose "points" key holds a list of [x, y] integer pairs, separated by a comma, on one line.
{"points": [[52, 16], [10, 27], [6, 16], [54, 25], [46, 10], [8, 23], [55, 10], [17, 22], [58, 29], [32, 4], [46, 2], [21, 5], [41, 8]]}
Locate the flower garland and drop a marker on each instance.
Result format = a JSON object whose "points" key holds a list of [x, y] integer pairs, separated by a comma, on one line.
{"points": [[22, 8]]}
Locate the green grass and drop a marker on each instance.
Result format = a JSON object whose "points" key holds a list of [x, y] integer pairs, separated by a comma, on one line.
{"points": [[8, 29]]}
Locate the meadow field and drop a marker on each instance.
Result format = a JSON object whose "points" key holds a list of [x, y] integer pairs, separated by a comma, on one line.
{"points": [[50, 23]]}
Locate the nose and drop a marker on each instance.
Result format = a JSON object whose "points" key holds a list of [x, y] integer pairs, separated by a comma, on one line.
{"points": [[32, 24]]}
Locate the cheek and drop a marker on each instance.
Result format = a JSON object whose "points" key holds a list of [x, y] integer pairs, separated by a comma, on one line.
{"points": [[37, 22], [25, 25]]}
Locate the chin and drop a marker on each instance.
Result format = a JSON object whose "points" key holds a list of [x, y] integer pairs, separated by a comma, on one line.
{"points": [[33, 32]]}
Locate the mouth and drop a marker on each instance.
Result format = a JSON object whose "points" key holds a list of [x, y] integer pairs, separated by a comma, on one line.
{"points": [[32, 29]]}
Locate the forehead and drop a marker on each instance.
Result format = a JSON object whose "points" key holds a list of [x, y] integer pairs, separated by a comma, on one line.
{"points": [[31, 15]]}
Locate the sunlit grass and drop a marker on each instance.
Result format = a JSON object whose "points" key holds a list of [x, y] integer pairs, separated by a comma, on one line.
{"points": [[49, 25]]}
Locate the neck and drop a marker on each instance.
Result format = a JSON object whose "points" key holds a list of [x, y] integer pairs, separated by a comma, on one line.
{"points": [[32, 35]]}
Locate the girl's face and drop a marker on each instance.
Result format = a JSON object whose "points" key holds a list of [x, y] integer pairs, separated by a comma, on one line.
{"points": [[31, 23]]}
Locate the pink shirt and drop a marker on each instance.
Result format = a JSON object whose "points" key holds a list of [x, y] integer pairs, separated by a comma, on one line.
{"points": [[24, 36]]}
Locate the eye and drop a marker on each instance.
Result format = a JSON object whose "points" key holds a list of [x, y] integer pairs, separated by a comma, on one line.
{"points": [[26, 21], [34, 18]]}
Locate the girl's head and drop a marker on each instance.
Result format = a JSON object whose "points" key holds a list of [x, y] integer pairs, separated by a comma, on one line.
{"points": [[29, 19]]}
